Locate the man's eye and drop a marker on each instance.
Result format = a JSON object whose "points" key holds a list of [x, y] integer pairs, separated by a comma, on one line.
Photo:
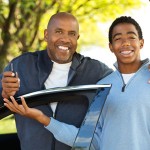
{"points": [[72, 34], [60, 32]]}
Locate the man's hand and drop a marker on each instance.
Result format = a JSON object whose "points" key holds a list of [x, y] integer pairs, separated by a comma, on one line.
{"points": [[24, 110], [10, 84]]}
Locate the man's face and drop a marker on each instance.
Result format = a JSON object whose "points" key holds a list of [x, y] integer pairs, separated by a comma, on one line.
{"points": [[61, 37], [126, 44]]}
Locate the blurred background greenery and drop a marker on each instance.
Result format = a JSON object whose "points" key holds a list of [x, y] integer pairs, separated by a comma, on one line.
{"points": [[22, 23], [7, 125]]}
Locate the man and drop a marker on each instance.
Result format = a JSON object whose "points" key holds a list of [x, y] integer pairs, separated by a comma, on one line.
{"points": [[58, 66], [124, 123]]}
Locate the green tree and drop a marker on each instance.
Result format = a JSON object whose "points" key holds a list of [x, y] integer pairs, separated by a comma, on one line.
{"points": [[23, 21]]}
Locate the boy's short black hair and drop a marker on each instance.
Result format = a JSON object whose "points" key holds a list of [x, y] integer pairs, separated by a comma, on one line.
{"points": [[124, 19]]}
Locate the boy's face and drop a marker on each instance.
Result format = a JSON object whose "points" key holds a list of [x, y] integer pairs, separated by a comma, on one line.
{"points": [[126, 44]]}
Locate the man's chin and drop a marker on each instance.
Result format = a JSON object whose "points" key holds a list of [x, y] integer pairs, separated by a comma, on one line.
{"points": [[63, 61]]}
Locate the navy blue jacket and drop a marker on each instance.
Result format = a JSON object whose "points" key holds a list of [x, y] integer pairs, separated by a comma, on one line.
{"points": [[33, 69]]}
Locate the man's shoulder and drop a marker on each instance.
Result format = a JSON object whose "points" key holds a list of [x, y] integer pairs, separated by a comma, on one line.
{"points": [[84, 62], [81, 57], [109, 78], [30, 55], [91, 62]]}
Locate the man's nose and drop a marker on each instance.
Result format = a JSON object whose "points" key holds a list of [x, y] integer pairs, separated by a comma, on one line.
{"points": [[65, 38]]}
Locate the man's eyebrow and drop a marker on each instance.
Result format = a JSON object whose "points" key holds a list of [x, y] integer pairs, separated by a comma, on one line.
{"points": [[58, 29], [72, 31]]}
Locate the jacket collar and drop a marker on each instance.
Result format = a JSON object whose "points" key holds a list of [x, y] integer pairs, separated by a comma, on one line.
{"points": [[45, 66], [76, 61], [144, 62]]}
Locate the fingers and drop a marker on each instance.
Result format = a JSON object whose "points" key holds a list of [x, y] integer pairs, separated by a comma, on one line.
{"points": [[7, 89], [10, 84], [24, 103], [4, 95], [8, 74], [23, 109], [10, 105], [14, 106], [9, 78]]}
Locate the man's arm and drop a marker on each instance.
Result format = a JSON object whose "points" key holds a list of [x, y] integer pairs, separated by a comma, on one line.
{"points": [[62, 132]]}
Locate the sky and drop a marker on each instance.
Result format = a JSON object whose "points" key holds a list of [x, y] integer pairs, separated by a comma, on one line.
{"points": [[142, 17]]}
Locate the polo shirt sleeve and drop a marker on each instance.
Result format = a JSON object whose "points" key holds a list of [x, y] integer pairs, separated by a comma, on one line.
{"points": [[63, 132]]}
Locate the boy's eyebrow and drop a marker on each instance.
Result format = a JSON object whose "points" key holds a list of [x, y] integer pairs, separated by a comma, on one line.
{"points": [[130, 32]]}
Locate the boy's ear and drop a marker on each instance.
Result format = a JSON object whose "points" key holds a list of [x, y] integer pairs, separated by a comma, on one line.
{"points": [[141, 43], [110, 47]]}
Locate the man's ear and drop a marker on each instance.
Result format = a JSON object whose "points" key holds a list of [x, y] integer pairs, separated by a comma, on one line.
{"points": [[110, 47], [45, 35], [141, 43]]}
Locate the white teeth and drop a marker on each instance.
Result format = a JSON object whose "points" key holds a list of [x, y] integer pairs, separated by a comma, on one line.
{"points": [[63, 48], [126, 52]]}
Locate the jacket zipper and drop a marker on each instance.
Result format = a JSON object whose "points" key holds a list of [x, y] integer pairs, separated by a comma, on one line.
{"points": [[124, 85], [123, 88]]}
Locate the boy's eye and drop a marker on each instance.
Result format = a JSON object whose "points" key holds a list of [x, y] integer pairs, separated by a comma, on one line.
{"points": [[116, 39], [132, 37]]}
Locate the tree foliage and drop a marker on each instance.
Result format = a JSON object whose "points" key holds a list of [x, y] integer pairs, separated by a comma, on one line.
{"points": [[22, 21]]}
